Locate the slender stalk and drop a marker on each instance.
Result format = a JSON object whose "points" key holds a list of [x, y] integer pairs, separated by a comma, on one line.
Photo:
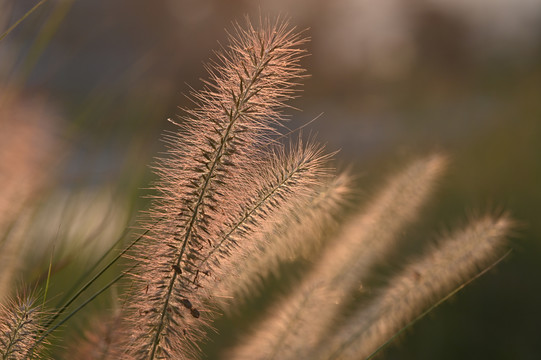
{"points": [[28, 13], [80, 307], [91, 281]]}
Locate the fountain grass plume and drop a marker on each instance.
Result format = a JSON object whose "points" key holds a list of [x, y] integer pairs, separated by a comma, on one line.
{"points": [[21, 321], [296, 324], [458, 257], [206, 180], [288, 179], [296, 232]]}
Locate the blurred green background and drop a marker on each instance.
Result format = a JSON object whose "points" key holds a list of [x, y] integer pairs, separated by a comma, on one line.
{"points": [[394, 79]]}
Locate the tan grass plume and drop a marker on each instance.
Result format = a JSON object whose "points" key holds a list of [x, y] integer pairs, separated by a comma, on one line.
{"points": [[457, 257], [210, 190], [296, 324], [21, 321]]}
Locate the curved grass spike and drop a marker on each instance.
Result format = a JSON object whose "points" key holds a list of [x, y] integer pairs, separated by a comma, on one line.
{"points": [[204, 180]]}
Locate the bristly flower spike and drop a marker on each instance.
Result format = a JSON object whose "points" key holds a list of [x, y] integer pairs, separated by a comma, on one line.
{"points": [[456, 258], [20, 321], [204, 181]]}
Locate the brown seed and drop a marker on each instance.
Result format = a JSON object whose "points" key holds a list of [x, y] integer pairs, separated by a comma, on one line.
{"points": [[195, 313], [187, 304]]}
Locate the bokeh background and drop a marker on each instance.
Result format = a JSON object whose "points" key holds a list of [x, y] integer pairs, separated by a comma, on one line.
{"points": [[86, 88]]}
